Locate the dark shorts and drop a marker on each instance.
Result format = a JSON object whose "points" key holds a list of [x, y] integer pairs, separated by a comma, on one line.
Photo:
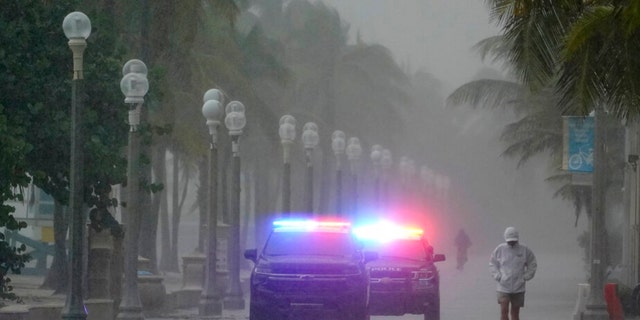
{"points": [[516, 299]]}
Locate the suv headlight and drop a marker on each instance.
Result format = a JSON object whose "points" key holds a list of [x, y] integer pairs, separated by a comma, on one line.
{"points": [[263, 269], [423, 278]]}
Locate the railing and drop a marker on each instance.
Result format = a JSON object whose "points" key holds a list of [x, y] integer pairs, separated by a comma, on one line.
{"points": [[40, 251]]}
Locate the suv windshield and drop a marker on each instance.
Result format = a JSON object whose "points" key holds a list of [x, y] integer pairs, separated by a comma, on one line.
{"points": [[309, 243], [409, 249]]}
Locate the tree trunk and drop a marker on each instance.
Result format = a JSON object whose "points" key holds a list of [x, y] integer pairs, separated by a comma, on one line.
{"points": [[178, 202], [175, 215], [56, 278], [165, 239], [149, 228]]}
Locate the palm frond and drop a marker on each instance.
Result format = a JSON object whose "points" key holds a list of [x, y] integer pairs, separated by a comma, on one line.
{"points": [[486, 93]]}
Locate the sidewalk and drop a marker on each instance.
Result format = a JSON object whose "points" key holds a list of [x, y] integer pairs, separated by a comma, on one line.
{"points": [[27, 287]]}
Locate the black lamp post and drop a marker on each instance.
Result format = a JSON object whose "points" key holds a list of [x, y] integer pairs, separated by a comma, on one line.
{"points": [[287, 133], [235, 121], [77, 28], [310, 140], [338, 144], [210, 302], [134, 86], [386, 162], [376, 158], [354, 151]]}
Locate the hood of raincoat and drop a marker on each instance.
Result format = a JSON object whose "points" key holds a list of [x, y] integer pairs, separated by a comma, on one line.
{"points": [[511, 234]]}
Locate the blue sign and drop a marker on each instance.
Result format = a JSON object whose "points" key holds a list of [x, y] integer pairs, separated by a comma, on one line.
{"points": [[578, 146]]}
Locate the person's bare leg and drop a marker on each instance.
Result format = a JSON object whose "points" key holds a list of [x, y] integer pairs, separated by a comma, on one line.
{"points": [[504, 309], [515, 312]]}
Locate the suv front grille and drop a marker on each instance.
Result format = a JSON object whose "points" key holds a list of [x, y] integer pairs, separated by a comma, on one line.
{"points": [[391, 274], [310, 286], [313, 269]]}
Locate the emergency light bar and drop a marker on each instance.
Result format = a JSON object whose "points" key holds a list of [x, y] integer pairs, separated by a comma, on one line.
{"points": [[311, 225], [385, 232]]}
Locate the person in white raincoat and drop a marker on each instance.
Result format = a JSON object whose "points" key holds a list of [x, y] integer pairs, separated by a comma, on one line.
{"points": [[511, 265]]}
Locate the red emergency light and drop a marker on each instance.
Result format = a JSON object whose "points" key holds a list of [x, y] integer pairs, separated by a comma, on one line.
{"points": [[387, 231]]}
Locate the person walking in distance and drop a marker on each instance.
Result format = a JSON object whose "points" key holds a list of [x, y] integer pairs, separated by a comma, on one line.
{"points": [[511, 265], [462, 243]]}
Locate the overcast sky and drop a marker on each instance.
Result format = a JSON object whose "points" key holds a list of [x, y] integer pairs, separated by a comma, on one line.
{"points": [[433, 34]]}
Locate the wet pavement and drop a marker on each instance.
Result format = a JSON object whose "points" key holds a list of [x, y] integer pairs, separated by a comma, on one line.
{"points": [[465, 295]]}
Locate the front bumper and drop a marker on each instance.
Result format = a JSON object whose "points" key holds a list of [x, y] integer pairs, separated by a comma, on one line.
{"points": [[398, 297], [330, 296]]}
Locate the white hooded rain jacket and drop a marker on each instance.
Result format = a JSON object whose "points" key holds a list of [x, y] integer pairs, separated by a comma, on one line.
{"points": [[511, 266]]}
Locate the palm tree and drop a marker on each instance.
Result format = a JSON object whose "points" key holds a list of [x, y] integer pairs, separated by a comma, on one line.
{"points": [[557, 52], [599, 59]]}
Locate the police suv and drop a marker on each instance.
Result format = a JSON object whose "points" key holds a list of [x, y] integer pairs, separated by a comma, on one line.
{"points": [[309, 269], [404, 278]]}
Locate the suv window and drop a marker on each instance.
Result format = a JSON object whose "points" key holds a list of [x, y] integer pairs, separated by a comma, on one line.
{"points": [[309, 243], [404, 249]]}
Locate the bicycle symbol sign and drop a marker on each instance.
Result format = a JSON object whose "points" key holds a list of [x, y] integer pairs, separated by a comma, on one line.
{"points": [[580, 144]]}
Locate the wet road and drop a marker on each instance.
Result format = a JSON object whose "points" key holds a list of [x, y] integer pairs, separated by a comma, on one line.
{"points": [[470, 294]]}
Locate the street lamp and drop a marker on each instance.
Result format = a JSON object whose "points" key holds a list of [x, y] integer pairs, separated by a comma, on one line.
{"points": [[386, 163], [77, 28], [210, 302], [134, 86], [235, 121], [596, 308], [338, 144], [310, 140], [354, 150], [376, 158], [287, 133]]}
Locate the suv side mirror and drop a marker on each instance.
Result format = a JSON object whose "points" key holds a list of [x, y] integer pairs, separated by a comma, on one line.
{"points": [[370, 256], [251, 254], [438, 257]]}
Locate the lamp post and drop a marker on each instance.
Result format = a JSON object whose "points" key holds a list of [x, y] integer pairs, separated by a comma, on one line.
{"points": [[310, 140], [287, 133], [376, 158], [338, 144], [235, 121], [77, 28], [354, 150], [134, 86], [210, 302], [596, 308], [386, 163]]}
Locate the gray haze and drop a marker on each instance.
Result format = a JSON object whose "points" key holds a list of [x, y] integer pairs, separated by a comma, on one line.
{"points": [[437, 36]]}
